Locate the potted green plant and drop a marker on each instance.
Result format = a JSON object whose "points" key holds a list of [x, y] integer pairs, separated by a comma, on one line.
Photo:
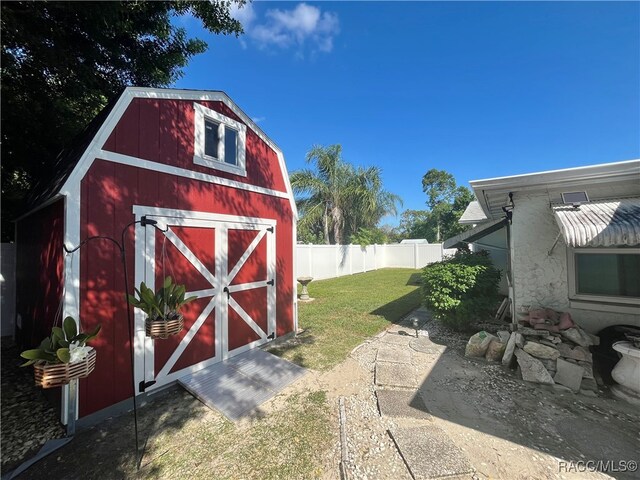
{"points": [[163, 308], [63, 356]]}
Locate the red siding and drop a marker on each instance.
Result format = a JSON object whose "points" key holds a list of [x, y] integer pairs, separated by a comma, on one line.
{"points": [[39, 272], [161, 131]]}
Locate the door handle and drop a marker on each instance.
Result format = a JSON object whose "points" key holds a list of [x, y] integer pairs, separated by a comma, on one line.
{"points": [[226, 290]]}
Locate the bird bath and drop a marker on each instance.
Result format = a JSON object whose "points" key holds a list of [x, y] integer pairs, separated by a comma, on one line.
{"points": [[304, 295], [627, 371]]}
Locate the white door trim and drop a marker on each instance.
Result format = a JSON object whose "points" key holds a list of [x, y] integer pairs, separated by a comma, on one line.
{"points": [[245, 256], [261, 230], [145, 266], [247, 318], [247, 286], [184, 343], [190, 256], [209, 292], [140, 210]]}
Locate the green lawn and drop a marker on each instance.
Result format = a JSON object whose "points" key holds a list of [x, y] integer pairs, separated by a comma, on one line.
{"points": [[346, 311]]}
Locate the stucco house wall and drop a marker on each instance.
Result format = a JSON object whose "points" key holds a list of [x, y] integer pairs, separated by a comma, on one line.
{"points": [[541, 279]]}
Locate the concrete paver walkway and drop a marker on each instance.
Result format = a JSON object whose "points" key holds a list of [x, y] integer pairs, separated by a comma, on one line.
{"points": [[430, 453], [393, 355], [392, 375], [426, 449], [401, 403]]}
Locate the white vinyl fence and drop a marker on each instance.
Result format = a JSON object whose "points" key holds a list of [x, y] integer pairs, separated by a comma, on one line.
{"points": [[330, 261]]}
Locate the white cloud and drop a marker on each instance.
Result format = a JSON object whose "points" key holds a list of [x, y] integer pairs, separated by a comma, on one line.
{"points": [[245, 15], [302, 25]]}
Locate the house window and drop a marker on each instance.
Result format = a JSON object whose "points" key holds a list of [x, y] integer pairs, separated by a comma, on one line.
{"points": [[219, 141], [605, 274]]}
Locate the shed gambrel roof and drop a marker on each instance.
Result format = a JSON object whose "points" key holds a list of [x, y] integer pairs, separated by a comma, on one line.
{"points": [[73, 162]]}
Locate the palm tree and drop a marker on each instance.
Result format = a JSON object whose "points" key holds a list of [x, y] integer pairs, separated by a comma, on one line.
{"points": [[338, 196], [371, 201]]}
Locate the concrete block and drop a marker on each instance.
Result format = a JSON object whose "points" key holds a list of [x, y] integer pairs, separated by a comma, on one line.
{"points": [[569, 375]]}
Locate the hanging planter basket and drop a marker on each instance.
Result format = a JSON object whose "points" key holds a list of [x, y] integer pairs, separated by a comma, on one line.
{"points": [[163, 327], [58, 374]]}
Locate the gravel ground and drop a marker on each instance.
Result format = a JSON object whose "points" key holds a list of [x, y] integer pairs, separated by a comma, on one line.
{"points": [[28, 420], [371, 451], [508, 428]]}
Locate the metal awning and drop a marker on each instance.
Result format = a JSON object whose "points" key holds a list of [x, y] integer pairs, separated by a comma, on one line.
{"points": [[604, 223], [475, 233]]}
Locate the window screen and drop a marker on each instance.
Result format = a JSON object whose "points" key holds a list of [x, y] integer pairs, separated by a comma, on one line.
{"points": [[211, 138], [230, 146], [608, 274]]}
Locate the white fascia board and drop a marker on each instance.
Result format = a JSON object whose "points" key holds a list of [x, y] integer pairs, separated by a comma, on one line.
{"points": [[541, 181], [602, 173]]}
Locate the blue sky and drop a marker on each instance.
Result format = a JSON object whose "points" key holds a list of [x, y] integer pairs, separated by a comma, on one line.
{"points": [[477, 89]]}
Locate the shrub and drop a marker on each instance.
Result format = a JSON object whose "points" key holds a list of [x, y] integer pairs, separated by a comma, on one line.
{"points": [[461, 289]]}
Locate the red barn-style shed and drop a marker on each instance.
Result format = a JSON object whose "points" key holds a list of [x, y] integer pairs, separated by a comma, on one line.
{"points": [[199, 166]]}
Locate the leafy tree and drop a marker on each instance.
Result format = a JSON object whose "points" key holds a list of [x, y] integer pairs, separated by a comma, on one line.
{"points": [[369, 236], [337, 198], [439, 186], [392, 234], [415, 224], [310, 233], [446, 202], [63, 61]]}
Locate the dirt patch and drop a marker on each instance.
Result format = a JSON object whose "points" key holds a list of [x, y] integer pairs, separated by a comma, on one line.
{"points": [[28, 420], [181, 438]]}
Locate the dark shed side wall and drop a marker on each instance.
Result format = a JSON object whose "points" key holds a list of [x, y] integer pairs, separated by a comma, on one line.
{"points": [[39, 273]]}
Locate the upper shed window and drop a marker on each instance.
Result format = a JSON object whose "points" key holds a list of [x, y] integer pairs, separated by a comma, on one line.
{"points": [[219, 141]]}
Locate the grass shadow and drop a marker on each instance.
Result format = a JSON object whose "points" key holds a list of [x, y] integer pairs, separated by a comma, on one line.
{"points": [[396, 310], [294, 349]]}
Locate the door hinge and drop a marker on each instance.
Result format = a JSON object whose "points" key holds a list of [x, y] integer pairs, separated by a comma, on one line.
{"points": [[272, 336], [270, 229], [271, 282], [226, 290], [142, 386]]}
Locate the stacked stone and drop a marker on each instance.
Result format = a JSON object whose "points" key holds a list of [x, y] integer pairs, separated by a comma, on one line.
{"points": [[554, 358], [547, 357]]}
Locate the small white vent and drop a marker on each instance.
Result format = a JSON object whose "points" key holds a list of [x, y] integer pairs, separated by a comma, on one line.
{"points": [[574, 198]]}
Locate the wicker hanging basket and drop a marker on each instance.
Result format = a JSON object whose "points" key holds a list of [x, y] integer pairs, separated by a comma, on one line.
{"points": [[58, 374], [163, 327]]}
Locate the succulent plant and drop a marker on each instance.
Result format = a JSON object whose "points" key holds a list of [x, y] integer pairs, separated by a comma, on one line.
{"points": [[166, 303], [62, 346]]}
